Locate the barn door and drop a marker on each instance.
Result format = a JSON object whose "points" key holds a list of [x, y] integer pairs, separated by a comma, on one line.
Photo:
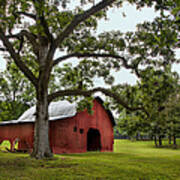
{"points": [[93, 140]]}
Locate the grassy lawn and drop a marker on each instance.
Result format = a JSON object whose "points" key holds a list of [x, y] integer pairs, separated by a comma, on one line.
{"points": [[130, 160]]}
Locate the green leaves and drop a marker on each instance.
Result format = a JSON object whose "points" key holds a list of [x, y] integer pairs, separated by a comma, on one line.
{"points": [[86, 104], [154, 43], [11, 110], [15, 87], [156, 92], [17, 93]]}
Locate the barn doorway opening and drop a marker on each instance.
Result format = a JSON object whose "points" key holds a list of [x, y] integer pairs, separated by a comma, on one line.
{"points": [[93, 140]]}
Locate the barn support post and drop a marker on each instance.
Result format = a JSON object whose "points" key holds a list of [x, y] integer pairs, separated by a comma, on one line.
{"points": [[12, 144]]}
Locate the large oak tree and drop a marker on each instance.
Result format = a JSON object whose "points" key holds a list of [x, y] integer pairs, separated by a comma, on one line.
{"points": [[33, 31]]}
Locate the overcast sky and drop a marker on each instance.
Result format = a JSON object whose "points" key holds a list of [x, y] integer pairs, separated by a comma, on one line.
{"points": [[118, 22]]}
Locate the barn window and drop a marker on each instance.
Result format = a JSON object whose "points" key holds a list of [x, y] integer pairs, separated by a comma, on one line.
{"points": [[75, 129], [81, 131]]}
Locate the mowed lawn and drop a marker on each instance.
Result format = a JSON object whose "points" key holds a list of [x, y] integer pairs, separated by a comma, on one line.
{"points": [[130, 160]]}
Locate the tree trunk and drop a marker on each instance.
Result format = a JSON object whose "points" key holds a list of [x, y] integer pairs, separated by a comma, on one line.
{"points": [[174, 141], [41, 130], [169, 138], [160, 141], [137, 136], [155, 141], [141, 137]]}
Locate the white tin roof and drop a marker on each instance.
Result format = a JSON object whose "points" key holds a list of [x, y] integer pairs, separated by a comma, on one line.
{"points": [[57, 110]]}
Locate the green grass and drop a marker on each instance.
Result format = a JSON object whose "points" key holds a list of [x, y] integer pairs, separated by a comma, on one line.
{"points": [[130, 160]]}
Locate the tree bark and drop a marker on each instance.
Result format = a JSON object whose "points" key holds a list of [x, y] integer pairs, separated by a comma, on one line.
{"points": [[160, 141], [41, 130], [174, 141], [169, 138], [155, 141], [137, 136]]}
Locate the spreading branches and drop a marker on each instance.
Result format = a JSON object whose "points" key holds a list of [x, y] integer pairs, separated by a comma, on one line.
{"points": [[46, 28], [40, 19], [79, 92], [17, 58], [30, 37], [97, 55], [80, 18]]}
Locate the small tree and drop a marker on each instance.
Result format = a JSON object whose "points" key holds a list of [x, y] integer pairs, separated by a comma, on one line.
{"points": [[16, 91], [171, 116]]}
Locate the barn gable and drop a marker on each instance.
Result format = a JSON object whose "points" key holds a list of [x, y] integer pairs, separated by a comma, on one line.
{"points": [[107, 110]]}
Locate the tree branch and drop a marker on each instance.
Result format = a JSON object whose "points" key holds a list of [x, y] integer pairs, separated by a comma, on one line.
{"points": [[80, 18], [40, 16], [30, 37], [94, 55], [32, 16], [47, 38], [3, 49], [21, 45], [46, 28], [17, 59], [79, 92]]}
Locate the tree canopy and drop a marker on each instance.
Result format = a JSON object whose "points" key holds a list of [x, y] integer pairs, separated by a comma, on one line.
{"points": [[156, 91], [17, 93]]}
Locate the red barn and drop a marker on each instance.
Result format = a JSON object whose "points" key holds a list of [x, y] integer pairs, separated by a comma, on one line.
{"points": [[70, 131]]}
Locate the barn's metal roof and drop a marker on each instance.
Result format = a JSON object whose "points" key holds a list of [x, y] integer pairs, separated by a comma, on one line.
{"points": [[57, 110]]}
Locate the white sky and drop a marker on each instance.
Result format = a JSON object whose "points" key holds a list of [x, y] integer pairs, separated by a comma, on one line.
{"points": [[118, 22]]}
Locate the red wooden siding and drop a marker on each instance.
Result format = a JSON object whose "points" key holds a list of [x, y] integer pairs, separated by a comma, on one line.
{"points": [[68, 135], [23, 133]]}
